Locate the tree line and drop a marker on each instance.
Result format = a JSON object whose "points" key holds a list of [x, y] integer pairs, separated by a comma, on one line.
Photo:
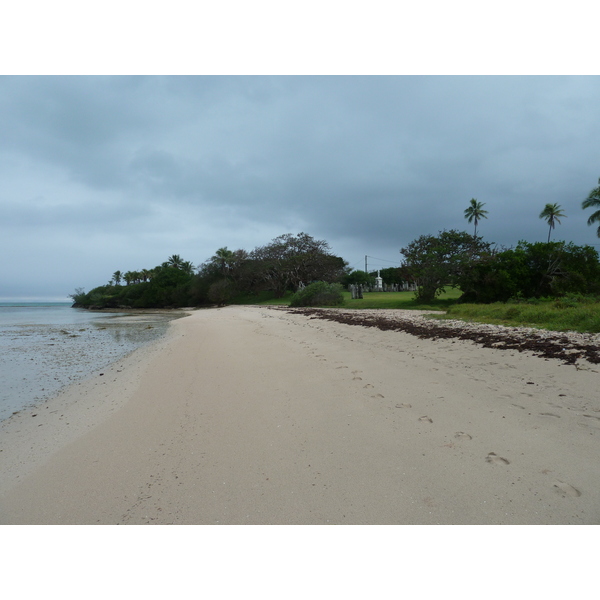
{"points": [[277, 267], [487, 274], [452, 258]]}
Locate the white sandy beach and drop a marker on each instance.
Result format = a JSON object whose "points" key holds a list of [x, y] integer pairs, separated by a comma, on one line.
{"points": [[253, 415]]}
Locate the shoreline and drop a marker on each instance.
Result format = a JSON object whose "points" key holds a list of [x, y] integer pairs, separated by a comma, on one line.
{"points": [[259, 415], [140, 311], [68, 414], [42, 356]]}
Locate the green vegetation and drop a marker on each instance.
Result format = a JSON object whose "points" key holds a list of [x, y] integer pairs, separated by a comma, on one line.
{"points": [[371, 300], [221, 292], [164, 286], [403, 300], [391, 275], [571, 313], [319, 293], [277, 268], [531, 271], [434, 262], [552, 285], [593, 201], [359, 277], [264, 298]]}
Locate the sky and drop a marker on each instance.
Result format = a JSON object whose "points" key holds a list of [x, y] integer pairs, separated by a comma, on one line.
{"points": [[106, 173], [180, 132]]}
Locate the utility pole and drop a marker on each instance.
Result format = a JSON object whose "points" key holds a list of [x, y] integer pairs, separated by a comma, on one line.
{"points": [[366, 264]]}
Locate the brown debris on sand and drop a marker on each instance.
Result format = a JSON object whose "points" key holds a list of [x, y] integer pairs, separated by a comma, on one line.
{"points": [[565, 346]]}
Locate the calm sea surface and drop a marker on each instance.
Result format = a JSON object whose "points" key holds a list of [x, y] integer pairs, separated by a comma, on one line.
{"points": [[46, 346]]}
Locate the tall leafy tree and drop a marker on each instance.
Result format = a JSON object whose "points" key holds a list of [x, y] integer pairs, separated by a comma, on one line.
{"points": [[593, 201], [475, 213], [433, 262], [553, 214], [291, 259]]}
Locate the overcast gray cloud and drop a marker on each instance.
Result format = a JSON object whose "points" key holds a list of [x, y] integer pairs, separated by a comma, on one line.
{"points": [[106, 173]]}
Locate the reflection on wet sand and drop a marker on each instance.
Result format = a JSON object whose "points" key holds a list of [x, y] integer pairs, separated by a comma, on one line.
{"points": [[38, 360]]}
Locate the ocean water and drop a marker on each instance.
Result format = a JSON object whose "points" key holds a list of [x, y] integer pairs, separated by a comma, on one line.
{"points": [[46, 346]]}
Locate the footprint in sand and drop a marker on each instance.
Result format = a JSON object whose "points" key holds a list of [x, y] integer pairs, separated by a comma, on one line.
{"points": [[494, 459], [403, 405], [567, 490], [461, 435], [425, 419], [368, 386], [592, 417], [549, 415], [357, 379], [378, 396]]}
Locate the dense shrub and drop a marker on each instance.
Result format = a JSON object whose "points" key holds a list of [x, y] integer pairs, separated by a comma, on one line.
{"points": [[221, 292], [319, 293], [169, 287], [532, 271]]}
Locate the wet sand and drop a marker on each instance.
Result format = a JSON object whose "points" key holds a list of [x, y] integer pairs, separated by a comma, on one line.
{"points": [[39, 359], [254, 415]]}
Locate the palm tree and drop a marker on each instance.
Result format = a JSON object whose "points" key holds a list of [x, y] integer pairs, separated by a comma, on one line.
{"points": [[223, 258], [117, 276], [187, 267], [593, 201], [475, 212], [553, 214], [175, 261]]}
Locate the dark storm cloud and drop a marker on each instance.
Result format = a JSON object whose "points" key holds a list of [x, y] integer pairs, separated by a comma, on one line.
{"points": [[119, 172]]}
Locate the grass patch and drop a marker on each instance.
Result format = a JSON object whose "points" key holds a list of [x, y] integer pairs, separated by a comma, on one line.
{"points": [[402, 300], [371, 300], [564, 314], [554, 315]]}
